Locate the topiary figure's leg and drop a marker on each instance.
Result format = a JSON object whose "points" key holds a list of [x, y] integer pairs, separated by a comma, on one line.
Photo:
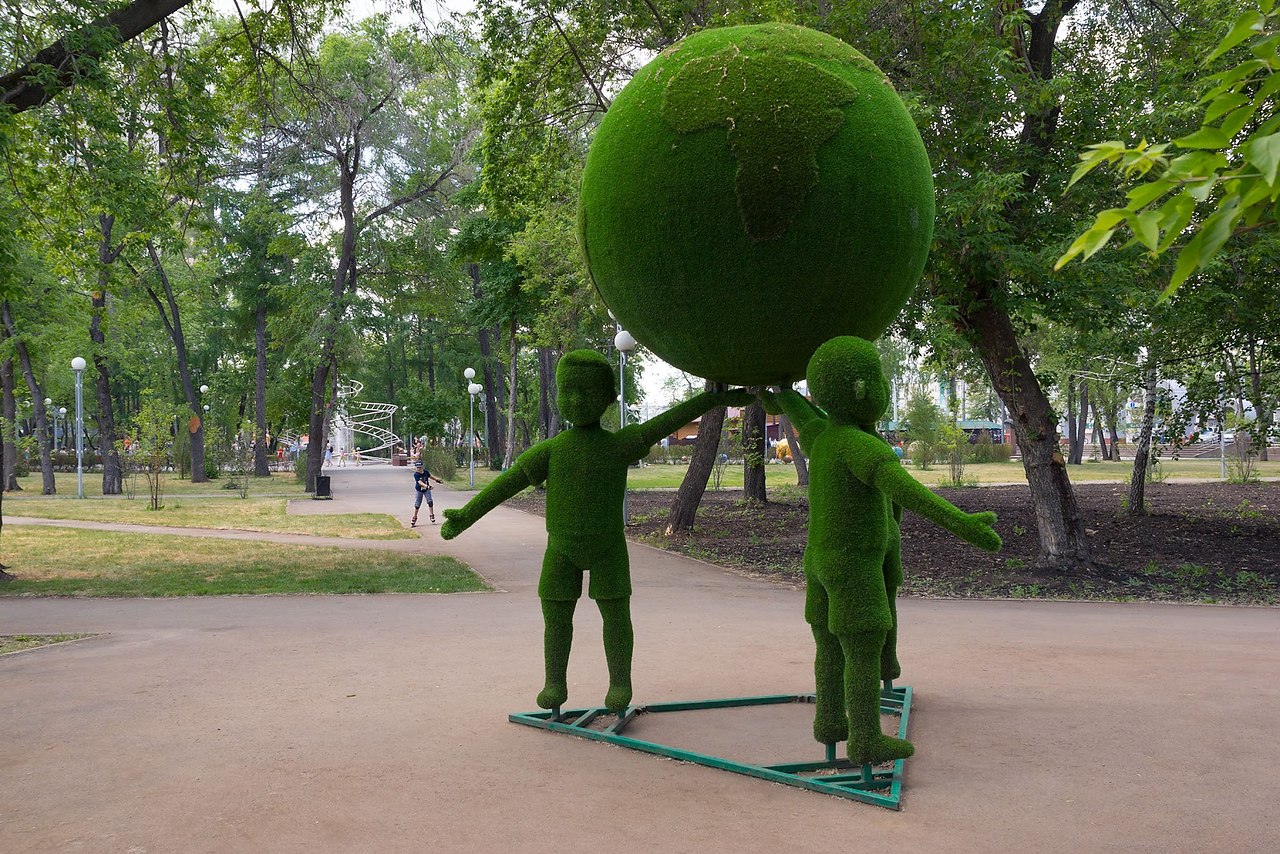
{"points": [[618, 643], [867, 743], [557, 618], [889, 666], [830, 723]]}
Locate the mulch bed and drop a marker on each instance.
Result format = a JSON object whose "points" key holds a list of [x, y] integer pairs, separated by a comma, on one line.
{"points": [[1203, 542]]}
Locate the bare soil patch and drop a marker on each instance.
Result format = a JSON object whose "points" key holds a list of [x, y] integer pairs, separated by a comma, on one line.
{"points": [[1201, 542]]}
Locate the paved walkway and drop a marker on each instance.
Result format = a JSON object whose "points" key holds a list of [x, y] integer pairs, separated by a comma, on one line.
{"points": [[378, 723]]}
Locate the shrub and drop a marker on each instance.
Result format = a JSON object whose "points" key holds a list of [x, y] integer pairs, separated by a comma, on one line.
{"points": [[440, 462]]}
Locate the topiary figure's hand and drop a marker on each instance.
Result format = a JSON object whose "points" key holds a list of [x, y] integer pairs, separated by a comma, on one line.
{"points": [[770, 401], [979, 531], [455, 522]]}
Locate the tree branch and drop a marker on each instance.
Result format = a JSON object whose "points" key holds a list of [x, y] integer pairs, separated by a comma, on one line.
{"points": [[29, 86]]}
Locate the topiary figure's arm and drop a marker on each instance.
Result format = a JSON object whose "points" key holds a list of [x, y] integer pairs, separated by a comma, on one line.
{"points": [[640, 437], [809, 421], [529, 469], [874, 463]]}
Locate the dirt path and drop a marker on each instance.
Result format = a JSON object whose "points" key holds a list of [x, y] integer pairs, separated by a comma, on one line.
{"points": [[378, 723]]}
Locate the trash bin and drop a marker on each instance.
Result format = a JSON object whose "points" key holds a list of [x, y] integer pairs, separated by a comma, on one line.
{"points": [[322, 486]]}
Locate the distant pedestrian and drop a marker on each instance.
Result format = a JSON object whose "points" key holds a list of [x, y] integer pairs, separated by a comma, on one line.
{"points": [[328, 457], [356, 452], [422, 489]]}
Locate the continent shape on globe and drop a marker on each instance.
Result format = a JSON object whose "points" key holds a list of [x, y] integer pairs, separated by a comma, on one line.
{"points": [[753, 192]]}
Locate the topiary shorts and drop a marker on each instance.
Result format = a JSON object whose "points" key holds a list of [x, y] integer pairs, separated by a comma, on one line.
{"points": [[567, 558], [849, 598]]}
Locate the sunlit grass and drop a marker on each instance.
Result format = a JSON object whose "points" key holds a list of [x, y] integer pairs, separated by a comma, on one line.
{"points": [[51, 561], [252, 514]]}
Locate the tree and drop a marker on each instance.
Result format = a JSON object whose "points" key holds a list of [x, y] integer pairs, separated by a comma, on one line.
{"points": [[1229, 166]]}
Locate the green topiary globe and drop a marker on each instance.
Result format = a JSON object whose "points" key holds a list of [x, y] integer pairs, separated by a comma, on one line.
{"points": [[751, 193]]}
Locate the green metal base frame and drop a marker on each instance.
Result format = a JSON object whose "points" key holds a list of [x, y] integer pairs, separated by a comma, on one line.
{"points": [[882, 787]]}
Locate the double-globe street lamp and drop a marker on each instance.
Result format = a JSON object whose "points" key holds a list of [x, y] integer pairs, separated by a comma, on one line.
{"points": [[77, 367], [473, 388]]}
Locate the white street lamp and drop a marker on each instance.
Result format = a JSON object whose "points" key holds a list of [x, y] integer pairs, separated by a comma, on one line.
{"points": [[77, 366], [62, 415], [206, 407], [625, 342], [472, 389], [204, 389]]}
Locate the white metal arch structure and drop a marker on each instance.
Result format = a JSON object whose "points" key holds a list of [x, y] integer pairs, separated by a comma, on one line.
{"points": [[374, 420]]}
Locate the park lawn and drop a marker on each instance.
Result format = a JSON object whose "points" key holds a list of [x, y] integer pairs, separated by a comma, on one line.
{"points": [[244, 514], [280, 483], [660, 476], [74, 562]]}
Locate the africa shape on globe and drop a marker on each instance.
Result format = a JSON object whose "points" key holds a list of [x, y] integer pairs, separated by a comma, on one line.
{"points": [[753, 192]]}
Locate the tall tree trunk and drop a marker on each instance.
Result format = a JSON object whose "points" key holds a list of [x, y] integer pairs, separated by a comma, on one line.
{"points": [[1072, 440], [684, 509], [1142, 454], [511, 399], [797, 455], [9, 471], [1063, 541], [49, 487], [497, 426], [753, 450], [260, 466], [1098, 434], [325, 376], [1082, 422], [112, 473], [1262, 412], [171, 317], [547, 424]]}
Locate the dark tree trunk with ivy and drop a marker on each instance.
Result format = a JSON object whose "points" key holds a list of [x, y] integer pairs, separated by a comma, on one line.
{"points": [[754, 448], [37, 401], [684, 510]]}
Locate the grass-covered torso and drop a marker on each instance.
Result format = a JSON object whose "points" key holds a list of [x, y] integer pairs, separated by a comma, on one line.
{"points": [[744, 163], [852, 561], [585, 472]]}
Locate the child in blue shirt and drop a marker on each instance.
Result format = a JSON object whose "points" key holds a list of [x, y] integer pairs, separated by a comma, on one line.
{"points": [[422, 487]]}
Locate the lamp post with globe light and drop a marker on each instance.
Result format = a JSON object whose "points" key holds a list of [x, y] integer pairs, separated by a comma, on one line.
{"points": [[473, 388], [62, 416], [77, 366], [625, 342]]}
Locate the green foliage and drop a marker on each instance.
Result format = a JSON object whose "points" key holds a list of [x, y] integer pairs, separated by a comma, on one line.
{"points": [[149, 443], [1229, 165], [440, 462], [923, 423], [683, 203]]}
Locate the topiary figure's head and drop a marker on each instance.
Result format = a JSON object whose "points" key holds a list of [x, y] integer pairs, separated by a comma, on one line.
{"points": [[753, 192], [584, 386], [846, 380]]}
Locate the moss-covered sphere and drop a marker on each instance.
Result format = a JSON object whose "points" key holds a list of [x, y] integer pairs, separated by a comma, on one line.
{"points": [[751, 193]]}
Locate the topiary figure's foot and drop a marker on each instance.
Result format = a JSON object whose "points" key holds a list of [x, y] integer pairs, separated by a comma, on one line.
{"points": [[553, 696], [878, 748], [618, 698]]}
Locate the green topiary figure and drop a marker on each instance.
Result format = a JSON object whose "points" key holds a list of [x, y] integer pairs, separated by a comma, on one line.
{"points": [[852, 562], [743, 163], [585, 470]]}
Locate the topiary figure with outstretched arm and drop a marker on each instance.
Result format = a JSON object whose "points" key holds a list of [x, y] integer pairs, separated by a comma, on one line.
{"points": [[852, 562], [585, 470]]}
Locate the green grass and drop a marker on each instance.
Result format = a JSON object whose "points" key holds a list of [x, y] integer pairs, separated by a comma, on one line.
{"points": [[280, 483], [17, 643], [74, 562], [251, 514]]}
